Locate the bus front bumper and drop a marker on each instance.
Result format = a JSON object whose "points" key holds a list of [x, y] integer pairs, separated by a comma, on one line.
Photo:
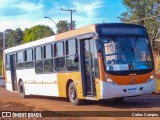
{"points": [[109, 90]]}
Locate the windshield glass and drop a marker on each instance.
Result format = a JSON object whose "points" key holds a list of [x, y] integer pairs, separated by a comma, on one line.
{"points": [[127, 53]]}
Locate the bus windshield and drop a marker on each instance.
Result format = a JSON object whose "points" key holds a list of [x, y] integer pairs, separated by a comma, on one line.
{"points": [[127, 53]]}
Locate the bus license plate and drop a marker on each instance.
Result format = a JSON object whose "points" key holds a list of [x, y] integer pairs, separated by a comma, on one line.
{"points": [[131, 90]]}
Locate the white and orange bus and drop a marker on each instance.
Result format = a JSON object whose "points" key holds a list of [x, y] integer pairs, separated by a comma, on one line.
{"points": [[100, 61]]}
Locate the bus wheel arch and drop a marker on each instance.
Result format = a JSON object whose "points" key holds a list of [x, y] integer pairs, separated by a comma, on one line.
{"points": [[21, 88]]}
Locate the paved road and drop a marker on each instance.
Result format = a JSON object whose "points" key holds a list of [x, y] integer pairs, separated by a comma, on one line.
{"points": [[145, 102]]}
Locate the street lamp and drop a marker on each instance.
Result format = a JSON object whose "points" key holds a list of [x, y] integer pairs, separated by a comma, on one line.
{"points": [[51, 20]]}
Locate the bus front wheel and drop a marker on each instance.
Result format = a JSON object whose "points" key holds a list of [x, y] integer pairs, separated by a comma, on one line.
{"points": [[22, 90], [72, 94]]}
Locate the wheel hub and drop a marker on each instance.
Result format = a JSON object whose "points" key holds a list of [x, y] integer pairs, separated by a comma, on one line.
{"points": [[72, 94]]}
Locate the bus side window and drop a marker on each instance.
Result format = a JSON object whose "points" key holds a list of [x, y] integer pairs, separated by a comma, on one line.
{"points": [[38, 60], [7, 62], [48, 60], [59, 59], [72, 55], [95, 50], [28, 57], [20, 60]]}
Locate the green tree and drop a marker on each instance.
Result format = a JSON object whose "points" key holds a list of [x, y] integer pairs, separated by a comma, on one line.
{"points": [[14, 37], [1, 40], [1, 51], [137, 10], [37, 32], [73, 25], [62, 26]]}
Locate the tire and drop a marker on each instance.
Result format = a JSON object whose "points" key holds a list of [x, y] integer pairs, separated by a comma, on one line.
{"points": [[22, 90], [119, 99], [72, 94]]}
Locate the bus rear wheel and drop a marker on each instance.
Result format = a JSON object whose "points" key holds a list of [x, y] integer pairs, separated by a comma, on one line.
{"points": [[22, 90], [72, 94]]}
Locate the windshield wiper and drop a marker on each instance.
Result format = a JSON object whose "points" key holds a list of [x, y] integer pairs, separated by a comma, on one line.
{"points": [[131, 50]]}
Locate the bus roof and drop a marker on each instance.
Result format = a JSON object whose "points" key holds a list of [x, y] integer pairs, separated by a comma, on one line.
{"points": [[68, 34]]}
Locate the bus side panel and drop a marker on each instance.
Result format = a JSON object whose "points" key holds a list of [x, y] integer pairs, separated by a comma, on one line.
{"points": [[63, 78], [98, 94], [101, 67], [38, 84], [8, 81]]}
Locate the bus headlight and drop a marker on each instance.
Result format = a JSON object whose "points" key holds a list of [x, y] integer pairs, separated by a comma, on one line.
{"points": [[152, 77], [109, 80]]}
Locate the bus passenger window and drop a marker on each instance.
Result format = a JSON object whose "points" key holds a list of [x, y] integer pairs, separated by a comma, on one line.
{"points": [[38, 60], [48, 60], [72, 55], [59, 64], [7, 62], [28, 55], [59, 60], [59, 49], [20, 60]]}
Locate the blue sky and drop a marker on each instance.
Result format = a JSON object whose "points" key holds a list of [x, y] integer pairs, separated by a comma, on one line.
{"points": [[27, 13]]}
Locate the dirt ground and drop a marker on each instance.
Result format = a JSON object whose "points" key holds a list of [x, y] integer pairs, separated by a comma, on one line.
{"points": [[11, 101]]}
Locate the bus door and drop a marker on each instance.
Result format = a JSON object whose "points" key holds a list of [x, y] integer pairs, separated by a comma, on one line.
{"points": [[87, 67], [13, 72]]}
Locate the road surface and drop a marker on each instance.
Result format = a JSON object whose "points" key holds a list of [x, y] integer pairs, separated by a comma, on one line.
{"points": [[145, 102], [11, 101]]}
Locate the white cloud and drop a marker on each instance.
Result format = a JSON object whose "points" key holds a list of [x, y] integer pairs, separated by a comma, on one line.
{"points": [[30, 7], [87, 12], [5, 2], [33, 13], [88, 9]]}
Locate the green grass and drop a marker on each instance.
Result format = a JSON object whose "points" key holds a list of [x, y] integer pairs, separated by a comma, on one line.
{"points": [[158, 85]]}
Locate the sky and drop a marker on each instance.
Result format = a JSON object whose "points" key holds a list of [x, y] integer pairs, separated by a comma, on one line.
{"points": [[27, 13]]}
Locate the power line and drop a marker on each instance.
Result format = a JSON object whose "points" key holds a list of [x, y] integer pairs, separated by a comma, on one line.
{"points": [[71, 11]]}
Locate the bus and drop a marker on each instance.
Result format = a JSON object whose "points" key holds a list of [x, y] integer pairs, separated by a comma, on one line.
{"points": [[99, 61]]}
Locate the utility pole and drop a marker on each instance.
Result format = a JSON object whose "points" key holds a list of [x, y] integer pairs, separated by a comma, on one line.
{"points": [[71, 11], [4, 46]]}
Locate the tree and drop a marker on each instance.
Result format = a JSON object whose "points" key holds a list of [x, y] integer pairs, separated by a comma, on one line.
{"points": [[14, 37], [64, 25], [37, 32], [73, 25], [1, 40], [140, 9]]}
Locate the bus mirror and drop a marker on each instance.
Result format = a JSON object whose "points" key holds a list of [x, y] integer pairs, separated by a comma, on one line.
{"points": [[76, 57]]}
